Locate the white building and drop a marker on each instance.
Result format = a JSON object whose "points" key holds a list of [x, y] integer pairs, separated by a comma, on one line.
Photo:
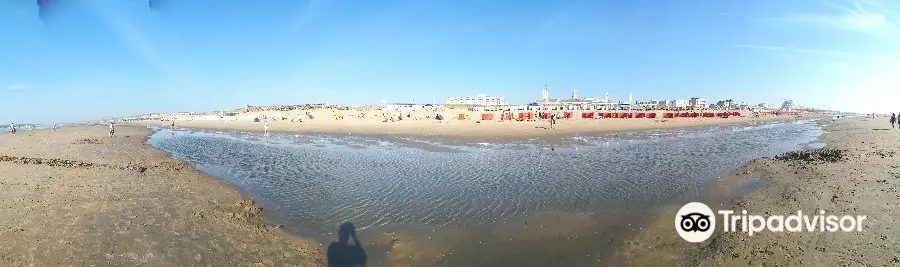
{"points": [[662, 104], [672, 104], [697, 103], [652, 104], [545, 94], [479, 100], [731, 104]]}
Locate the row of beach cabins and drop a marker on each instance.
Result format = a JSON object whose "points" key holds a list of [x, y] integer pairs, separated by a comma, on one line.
{"points": [[529, 116]]}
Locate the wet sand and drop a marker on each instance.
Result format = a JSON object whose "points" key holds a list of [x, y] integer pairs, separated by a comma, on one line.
{"points": [[78, 197], [863, 182], [474, 129]]}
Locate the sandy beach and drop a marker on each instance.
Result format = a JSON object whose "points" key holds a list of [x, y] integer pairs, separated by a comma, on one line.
{"points": [[864, 181], [76, 197], [422, 123]]}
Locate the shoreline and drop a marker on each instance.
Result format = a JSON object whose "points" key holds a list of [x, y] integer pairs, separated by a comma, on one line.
{"points": [[793, 182], [471, 131], [262, 220], [128, 204]]}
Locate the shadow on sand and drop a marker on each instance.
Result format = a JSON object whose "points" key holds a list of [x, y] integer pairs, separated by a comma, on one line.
{"points": [[343, 254]]}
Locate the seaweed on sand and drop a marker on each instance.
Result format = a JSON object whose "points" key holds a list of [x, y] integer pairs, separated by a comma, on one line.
{"points": [[829, 155]]}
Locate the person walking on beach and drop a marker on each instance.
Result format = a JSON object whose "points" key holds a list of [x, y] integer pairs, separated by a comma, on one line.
{"points": [[552, 120], [266, 128], [12, 128], [893, 120], [112, 128]]}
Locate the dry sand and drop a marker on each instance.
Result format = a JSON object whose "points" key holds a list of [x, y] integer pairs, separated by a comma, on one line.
{"points": [[864, 182], [418, 124], [78, 197]]}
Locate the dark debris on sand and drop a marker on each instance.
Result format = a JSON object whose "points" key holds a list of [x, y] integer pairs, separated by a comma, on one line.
{"points": [[131, 166], [821, 155], [87, 141]]}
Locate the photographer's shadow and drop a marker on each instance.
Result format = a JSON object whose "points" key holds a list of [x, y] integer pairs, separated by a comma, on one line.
{"points": [[343, 254]]}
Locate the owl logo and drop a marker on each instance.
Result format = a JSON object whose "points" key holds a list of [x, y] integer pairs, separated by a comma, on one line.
{"points": [[694, 221]]}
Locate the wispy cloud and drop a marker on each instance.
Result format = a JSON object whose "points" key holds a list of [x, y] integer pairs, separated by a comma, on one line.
{"points": [[866, 16], [796, 50], [861, 22]]}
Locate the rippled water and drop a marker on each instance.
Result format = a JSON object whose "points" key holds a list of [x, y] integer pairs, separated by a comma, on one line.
{"points": [[312, 183]]}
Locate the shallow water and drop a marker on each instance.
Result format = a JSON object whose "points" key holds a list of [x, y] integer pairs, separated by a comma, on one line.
{"points": [[313, 183], [324, 180]]}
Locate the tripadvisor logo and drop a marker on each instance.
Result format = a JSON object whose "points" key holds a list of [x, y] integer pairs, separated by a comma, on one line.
{"points": [[696, 222]]}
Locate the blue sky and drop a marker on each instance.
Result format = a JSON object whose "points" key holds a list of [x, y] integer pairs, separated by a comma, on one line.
{"points": [[102, 58]]}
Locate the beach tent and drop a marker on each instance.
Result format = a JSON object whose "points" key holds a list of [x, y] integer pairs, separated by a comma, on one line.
{"points": [[310, 115], [439, 117], [256, 119]]}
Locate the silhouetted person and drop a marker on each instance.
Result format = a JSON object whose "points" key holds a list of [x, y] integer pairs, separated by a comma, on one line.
{"points": [[552, 120], [342, 254], [893, 120]]}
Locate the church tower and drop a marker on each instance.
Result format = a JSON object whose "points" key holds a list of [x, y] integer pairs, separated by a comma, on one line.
{"points": [[545, 96]]}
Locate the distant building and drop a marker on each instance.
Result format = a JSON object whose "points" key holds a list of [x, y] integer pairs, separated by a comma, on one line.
{"points": [[697, 103], [676, 104], [573, 103], [652, 104], [731, 104], [790, 106], [545, 94], [762, 106], [662, 104], [478, 100]]}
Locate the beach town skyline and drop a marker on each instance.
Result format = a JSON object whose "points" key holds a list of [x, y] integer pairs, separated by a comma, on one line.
{"points": [[546, 98]]}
